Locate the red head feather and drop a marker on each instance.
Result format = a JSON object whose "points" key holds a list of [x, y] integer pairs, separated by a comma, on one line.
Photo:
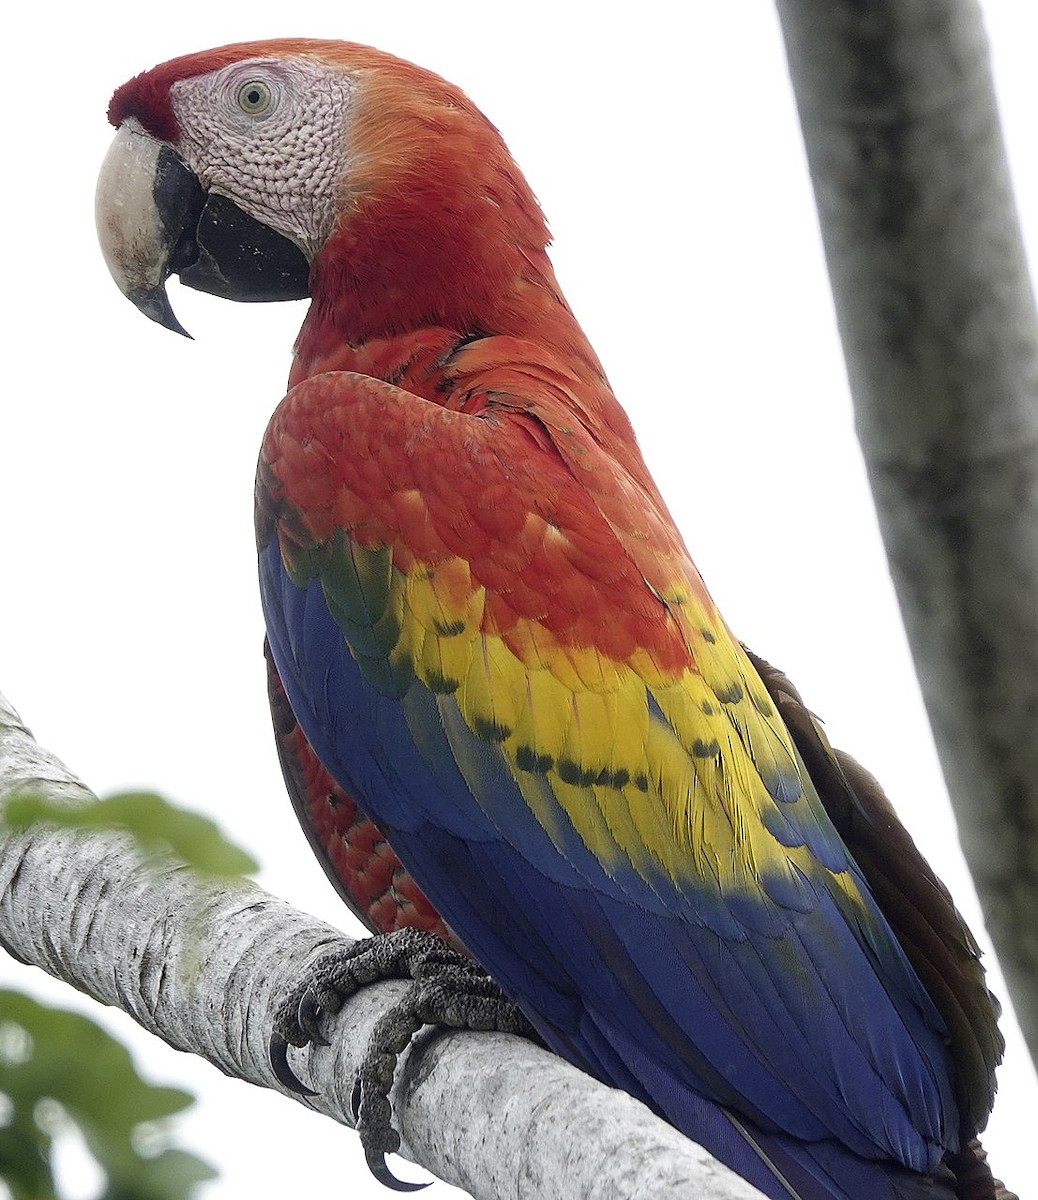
{"points": [[435, 214], [146, 96]]}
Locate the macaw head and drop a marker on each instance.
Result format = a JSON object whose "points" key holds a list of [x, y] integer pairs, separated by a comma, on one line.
{"points": [[264, 170]]}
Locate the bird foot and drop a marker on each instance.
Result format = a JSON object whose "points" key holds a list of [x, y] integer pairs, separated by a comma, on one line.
{"points": [[447, 990]]}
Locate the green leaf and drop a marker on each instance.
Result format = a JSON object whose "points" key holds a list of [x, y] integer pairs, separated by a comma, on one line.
{"points": [[55, 1063], [157, 825], [172, 1173], [25, 1160]]}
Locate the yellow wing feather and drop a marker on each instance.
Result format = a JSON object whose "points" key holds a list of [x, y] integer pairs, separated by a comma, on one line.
{"points": [[681, 775]]}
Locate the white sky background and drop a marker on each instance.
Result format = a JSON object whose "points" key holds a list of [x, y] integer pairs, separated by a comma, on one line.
{"points": [[665, 150]]}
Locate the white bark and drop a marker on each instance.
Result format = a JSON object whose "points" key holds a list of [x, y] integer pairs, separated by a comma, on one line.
{"points": [[938, 325], [203, 966]]}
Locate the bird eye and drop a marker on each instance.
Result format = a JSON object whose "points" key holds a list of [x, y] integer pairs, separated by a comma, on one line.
{"points": [[255, 97]]}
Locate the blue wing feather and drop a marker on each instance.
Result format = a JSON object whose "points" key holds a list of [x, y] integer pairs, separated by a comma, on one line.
{"points": [[815, 1026]]}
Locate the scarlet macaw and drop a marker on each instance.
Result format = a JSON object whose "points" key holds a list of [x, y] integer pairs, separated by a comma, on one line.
{"points": [[490, 634]]}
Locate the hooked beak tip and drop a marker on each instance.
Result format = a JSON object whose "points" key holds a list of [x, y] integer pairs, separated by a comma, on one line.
{"points": [[154, 303]]}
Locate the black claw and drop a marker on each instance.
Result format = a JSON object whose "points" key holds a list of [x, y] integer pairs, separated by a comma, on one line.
{"points": [[277, 1054], [377, 1166], [308, 1018], [447, 989]]}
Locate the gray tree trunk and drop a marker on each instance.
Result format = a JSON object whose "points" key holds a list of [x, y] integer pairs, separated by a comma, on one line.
{"points": [[203, 966], [937, 319]]}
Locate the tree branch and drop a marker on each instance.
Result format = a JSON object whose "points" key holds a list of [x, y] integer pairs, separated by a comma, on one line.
{"points": [[938, 326], [203, 965]]}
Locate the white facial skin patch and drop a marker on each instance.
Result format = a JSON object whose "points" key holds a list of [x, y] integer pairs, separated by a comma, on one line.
{"points": [[270, 134]]}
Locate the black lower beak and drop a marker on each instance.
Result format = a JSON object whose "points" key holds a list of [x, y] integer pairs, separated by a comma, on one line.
{"points": [[238, 258]]}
